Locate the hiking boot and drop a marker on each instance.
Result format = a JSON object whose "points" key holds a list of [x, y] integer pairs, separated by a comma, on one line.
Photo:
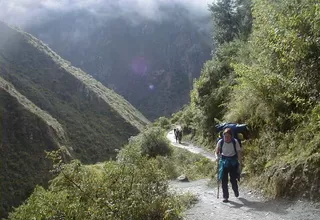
{"points": [[236, 194], [225, 200]]}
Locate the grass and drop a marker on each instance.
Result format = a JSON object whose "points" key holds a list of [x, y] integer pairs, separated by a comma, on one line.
{"points": [[183, 162], [289, 168]]}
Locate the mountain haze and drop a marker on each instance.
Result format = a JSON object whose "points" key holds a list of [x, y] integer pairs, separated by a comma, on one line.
{"points": [[152, 62]]}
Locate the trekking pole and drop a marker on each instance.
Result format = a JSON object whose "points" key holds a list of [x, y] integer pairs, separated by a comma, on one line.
{"points": [[218, 182]]}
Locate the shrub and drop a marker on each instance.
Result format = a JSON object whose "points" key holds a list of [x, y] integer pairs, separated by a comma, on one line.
{"points": [[153, 143], [181, 161], [113, 190], [163, 123]]}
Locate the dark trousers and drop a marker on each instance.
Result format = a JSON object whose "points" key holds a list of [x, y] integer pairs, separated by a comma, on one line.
{"points": [[232, 171]]}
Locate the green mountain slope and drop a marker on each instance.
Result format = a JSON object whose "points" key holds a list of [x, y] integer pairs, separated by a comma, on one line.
{"points": [[26, 132], [45, 103], [96, 119]]}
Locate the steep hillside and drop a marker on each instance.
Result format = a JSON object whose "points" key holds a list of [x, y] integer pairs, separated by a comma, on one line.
{"points": [[26, 132], [152, 63], [96, 119], [45, 103]]}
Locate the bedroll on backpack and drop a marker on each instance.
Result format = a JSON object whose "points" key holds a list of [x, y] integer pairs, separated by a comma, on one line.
{"points": [[236, 130]]}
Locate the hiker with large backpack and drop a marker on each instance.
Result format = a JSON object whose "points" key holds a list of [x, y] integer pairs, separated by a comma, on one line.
{"points": [[179, 136], [176, 134], [228, 151]]}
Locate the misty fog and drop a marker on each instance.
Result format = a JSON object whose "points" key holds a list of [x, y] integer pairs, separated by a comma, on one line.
{"points": [[164, 41], [29, 12]]}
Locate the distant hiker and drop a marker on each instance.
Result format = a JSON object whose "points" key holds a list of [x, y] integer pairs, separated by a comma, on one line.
{"points": [[176, 134], [180, 135], [229, 151]]}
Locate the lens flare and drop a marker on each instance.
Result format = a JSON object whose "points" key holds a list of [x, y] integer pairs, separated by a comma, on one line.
{"points": [[151, 87], [139, 65]]}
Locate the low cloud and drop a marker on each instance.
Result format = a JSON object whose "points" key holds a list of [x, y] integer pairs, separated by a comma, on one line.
{"points": [[28, 12]]}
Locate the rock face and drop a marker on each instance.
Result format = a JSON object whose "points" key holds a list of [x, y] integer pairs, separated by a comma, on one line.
{"points": [[46, 104]]}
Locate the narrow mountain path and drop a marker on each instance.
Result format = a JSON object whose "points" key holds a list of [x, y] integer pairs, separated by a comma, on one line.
{"points": [[190, 147], [249, 205]]}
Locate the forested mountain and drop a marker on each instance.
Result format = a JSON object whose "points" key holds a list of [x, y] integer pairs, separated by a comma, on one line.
{"points": [[26, 132], [151, 62], [46, 104]]}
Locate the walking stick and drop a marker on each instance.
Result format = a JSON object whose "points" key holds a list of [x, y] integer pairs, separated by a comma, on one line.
{"points": [[218, 181]]}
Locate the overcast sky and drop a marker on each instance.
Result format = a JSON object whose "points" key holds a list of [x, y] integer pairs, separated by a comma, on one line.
{"points": [[22, 12]]}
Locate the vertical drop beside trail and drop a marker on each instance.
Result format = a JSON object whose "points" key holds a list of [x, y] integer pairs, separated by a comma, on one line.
{"points": [[249, 205]]}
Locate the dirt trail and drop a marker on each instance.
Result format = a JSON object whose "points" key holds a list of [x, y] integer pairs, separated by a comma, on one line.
{"points": [[190, 147], [248, 206]]}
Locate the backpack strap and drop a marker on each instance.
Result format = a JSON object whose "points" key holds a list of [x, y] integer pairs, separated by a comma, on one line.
{"points": [[234, 146]]}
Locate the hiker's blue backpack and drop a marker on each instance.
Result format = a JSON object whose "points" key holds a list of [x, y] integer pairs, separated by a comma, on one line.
{"points": [[235, 128]]}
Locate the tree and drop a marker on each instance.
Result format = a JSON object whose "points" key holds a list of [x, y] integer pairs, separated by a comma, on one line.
{"points": [[231, 19], [282, 75], [232, 26]]}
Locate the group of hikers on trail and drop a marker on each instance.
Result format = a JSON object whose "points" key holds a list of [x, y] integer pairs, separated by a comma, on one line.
{"points": [[228, 152], [178, 134]]}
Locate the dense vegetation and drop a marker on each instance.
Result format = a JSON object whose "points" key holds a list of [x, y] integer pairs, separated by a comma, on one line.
{"points": [[20, 171], [135, 186], [45, 104], [152, 63], [265, 72]]}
